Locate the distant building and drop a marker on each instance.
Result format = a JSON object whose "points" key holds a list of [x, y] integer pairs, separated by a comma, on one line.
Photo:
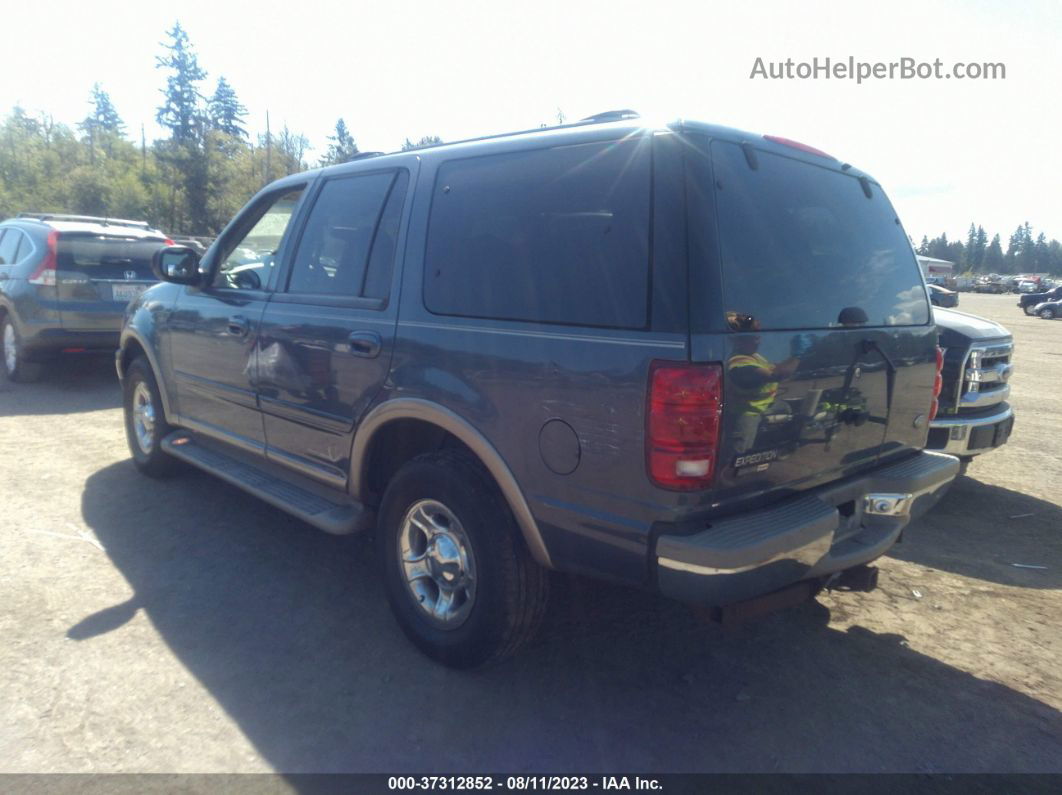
{"points": [[936, 271]]}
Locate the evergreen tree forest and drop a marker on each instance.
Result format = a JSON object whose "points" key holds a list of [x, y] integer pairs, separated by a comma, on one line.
{"points": [[1026, 252], [190, 182]]}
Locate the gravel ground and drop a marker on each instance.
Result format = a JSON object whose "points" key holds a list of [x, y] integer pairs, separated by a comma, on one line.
{"points": [[179, 626]]}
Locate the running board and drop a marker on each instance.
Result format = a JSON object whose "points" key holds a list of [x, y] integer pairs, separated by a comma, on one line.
{"points": [[337, 517]]}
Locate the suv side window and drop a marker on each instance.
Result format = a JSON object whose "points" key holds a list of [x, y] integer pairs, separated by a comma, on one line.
{"points": [[9, 246], [24, 248], [343, 234], [249, 259], [549, 235]]}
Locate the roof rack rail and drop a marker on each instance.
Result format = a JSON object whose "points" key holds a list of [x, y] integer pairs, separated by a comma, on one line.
{"points": [[92, 219], [611, 115], [363, 155], [597, 118]]}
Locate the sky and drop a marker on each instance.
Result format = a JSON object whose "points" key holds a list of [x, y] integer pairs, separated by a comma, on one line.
{"points": [[947, 151]]}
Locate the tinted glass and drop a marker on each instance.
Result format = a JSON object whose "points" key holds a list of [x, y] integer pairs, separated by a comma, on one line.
{"points": [[551, 235], [334, 250], [250, 258], [382, 257], [107, 256], [9, 246], [24, 247], [799, 243]]}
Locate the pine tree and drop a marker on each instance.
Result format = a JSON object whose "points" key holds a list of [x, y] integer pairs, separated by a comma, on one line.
{"points": [[103, 118], [980, 243], [103, 124], [971, 247], [225, 111], [923, 247], [343, 147], [180, 112], [993, 262]]}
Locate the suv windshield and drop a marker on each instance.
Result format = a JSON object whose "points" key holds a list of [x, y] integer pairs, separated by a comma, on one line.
{"points": [[799, 243]]}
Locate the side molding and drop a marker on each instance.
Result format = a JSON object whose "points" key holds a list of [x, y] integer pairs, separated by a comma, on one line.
{"points": [[417, 409]]}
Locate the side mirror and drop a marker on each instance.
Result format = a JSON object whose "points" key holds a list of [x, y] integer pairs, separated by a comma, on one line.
{"points": [[177, 264]]}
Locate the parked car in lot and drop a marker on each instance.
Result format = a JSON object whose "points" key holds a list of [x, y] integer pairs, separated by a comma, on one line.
{"points": [[942, 296], [974, 415], [1028, 302], [64, 283], [604, 348], [1048, 310]]}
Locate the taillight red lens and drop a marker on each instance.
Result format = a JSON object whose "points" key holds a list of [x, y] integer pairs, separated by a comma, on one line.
{"points": [[44, 274], [682, 426], [938, 383]]}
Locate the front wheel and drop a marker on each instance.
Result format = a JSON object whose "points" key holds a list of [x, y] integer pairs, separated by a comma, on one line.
{"points": [[458, 577], [145, 421], [1047, 313], [16, 368]]}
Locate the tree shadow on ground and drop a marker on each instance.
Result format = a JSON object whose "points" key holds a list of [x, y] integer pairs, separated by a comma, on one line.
{"points": [[289, 631]]}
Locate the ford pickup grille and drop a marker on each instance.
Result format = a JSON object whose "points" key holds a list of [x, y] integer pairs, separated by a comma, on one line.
{"points": [[978, 378]]}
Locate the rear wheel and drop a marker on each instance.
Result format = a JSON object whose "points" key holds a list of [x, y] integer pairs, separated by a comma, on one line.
{"points": [[1047, 313], [145, 421], [16, 368], [458, 577]]}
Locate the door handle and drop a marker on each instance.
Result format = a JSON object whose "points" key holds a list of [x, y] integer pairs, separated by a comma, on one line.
{"points": [[365, 343], [238, 326]]}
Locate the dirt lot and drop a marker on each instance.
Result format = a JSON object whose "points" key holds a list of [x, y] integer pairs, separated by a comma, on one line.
{"points": [[178, 626]]}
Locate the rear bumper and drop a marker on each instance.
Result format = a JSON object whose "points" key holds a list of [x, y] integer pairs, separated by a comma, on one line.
{"points": [[811, 535], [966, 436], [42, 341]]}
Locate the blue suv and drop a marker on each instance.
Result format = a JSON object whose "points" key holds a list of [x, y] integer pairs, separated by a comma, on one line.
{"points": [[687, 358], [64, 283]]}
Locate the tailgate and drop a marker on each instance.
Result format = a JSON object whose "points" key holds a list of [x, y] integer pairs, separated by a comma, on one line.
{"points": [[98, 275], [827, 347]]}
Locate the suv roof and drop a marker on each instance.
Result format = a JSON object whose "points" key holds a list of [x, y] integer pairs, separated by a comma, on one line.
{"points": [[64, 222], [609, 123]]}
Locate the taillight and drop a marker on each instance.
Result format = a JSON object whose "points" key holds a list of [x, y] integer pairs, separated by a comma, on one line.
{"points": [[45, 272], [168, 242], [938, 383], [682, 424], [811, 150]]}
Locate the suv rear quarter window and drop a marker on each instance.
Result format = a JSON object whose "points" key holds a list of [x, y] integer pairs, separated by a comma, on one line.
{"points": [[9, 246], [555, 235]]}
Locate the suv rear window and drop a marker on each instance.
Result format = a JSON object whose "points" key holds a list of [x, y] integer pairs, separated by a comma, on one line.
{"points": [[799, 243], [550, 235], [107, 256]]}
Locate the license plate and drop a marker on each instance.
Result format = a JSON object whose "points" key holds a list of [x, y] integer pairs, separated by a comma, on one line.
{"points": [[126, 292]]}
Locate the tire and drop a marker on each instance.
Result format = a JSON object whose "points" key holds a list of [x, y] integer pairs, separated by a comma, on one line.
{"points": [[16, 368], [1047, 313], [145, 421], [500, 595], [964, 464]]}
